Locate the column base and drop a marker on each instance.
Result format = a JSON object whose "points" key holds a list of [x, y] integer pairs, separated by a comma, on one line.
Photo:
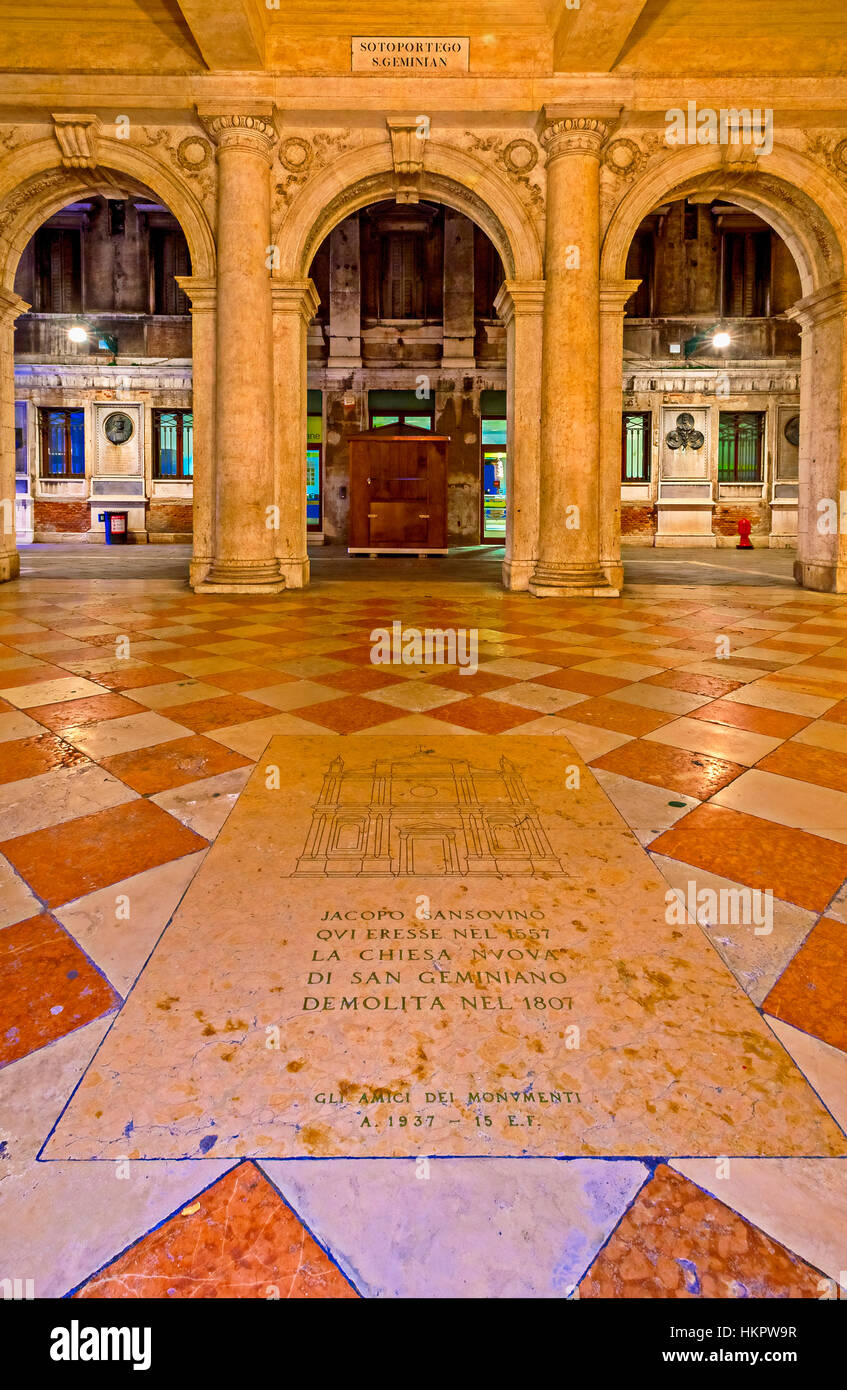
{"points": [[198, 569], [10, 566], [516, 574], [242, 577], [825, 578], [571, 581], [295, 573]]}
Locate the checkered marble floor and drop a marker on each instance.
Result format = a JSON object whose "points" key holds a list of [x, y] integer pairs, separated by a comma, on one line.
{"points": [[131, 714]]}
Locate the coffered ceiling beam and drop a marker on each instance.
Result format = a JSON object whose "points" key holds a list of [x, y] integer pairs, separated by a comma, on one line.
{"points": [[229, 33], [592, 37]]}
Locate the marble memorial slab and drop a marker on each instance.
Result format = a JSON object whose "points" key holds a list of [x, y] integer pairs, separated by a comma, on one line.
{"points": [[450, 948]]}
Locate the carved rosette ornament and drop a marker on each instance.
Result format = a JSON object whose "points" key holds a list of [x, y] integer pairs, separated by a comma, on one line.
{"points": [[574, 135], [254, 132]]}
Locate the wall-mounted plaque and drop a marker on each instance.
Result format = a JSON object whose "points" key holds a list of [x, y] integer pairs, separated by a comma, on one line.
{"points": [[413, 55]]}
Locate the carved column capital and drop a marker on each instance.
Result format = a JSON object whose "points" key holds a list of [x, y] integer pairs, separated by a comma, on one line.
{"points": [[11, 307], [829, 302], [574, 135], [76, 135], [615, 293], [202, 291], [248, 128], [519, 297], [295, 297]]}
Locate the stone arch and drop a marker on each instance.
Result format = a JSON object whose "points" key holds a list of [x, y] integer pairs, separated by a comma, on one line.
{"points": [[34, 185], [450, 176], [807, 206], [487, 197], [788, 189]]}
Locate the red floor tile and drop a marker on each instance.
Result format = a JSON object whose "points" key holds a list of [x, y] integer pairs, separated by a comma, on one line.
{"points": [[677, 1241], [349, 714], [242, 1242], [129, 677], [801, 868], [694, 684], [758, 721], [219, 712], [581, 682], [29, 757], [30, 675], [483, 716], [79, 856], [47, 987], [693, 774], [811, 993], [805, 763], [173, 764], [618, 715], [91, 710]]}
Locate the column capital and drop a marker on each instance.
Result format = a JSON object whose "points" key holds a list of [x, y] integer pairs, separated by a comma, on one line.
{"points": [[201, 290], [11, 307], [827, 303], [570, 129], [247, 127], [615, 293], [519, 297], [295, 297]]}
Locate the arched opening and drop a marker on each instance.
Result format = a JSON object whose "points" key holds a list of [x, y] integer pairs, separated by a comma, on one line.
{"points": [[711, 382], [737, 326], [430, 318], [115, 238], [407, 337], [104, 419]]}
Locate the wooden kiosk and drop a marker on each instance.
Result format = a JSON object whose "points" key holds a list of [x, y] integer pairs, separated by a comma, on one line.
{"points": [[398, 492]]}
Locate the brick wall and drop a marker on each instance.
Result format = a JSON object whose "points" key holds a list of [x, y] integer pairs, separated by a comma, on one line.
{"points": [[638, 519], [169, 518], [70, 516], [727, 516]]}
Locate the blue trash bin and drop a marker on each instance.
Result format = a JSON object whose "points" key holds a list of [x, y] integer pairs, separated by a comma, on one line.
{"points": [[116, 530]]}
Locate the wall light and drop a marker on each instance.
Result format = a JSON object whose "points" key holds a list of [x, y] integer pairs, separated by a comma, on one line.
{"points": [[84, 333], [721, 339]]}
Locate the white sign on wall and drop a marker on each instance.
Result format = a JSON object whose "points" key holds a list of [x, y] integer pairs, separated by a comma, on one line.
{"points": [[415, 56]]}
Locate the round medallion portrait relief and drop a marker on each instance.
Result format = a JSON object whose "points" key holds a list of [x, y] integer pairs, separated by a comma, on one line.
{"points": [[118, 427]]}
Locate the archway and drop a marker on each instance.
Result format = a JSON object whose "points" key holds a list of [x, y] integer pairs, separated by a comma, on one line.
{"points": [[787, 191], [35, 185], [447, 178]]}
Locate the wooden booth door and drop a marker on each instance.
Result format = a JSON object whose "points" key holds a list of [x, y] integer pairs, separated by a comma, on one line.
{"points": [[398, 494]]}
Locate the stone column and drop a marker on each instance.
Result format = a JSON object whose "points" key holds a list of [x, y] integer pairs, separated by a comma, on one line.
{"points": [[458, 349], [613, 297], [520, 304], [822, 513], [203, 296], [345, 293], [11, 308], [243, 550], [569, 529], [295, 303]]}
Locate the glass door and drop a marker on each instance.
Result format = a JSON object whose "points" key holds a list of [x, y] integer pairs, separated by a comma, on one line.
{"points": [[494, 480]]}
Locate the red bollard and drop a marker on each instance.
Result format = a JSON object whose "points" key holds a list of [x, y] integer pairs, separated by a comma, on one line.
{"points": [[745, 542]]}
